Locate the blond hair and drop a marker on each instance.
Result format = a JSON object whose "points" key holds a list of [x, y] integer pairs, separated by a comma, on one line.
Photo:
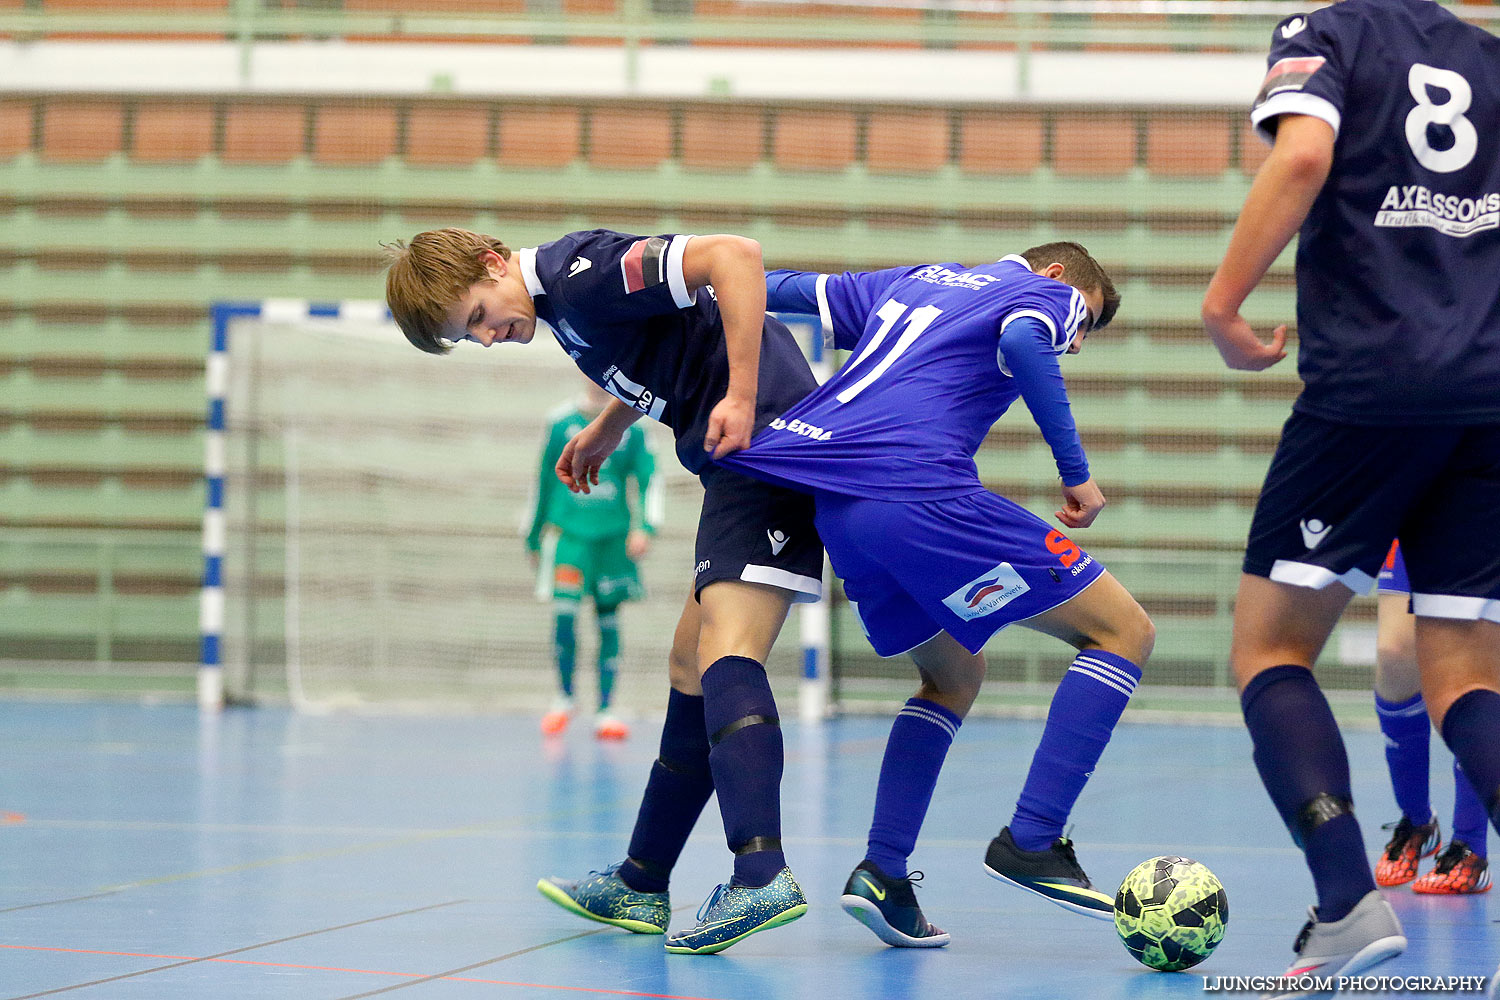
{"points": [[425, 277]]}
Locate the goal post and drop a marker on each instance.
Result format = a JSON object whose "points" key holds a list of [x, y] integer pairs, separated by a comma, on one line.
{"points": [[361, 539]]}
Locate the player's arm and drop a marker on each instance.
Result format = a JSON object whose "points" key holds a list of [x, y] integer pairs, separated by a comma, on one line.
{"points": [[647, 515], [1027, 352], [578, 465], [842, 301], [792, 291], [733, 266], [551, 451], [1280, 197]]}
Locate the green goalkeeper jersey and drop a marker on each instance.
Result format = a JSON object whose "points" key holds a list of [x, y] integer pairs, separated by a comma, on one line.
{"points": [[606, 509]]}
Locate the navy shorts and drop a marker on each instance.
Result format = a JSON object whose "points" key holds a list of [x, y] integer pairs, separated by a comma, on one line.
{"points": [[759, 533], [968, 566], [1336, 494]]}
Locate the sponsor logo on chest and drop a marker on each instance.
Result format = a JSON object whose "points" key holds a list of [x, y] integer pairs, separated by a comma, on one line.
{"points": [[800, 428]]}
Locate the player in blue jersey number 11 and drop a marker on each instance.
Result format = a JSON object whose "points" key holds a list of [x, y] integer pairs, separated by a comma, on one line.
{"points": [[935, 564]]}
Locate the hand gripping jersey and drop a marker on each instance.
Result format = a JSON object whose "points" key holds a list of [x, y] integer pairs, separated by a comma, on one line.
{"points": [[619, 305], [1398, 267], [930, 373]]}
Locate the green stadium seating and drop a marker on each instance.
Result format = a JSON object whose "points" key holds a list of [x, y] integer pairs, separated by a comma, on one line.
{"points": [[124, 216]]}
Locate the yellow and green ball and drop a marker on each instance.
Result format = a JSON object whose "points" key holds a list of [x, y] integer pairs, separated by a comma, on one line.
{"points": [[1171, 913]]}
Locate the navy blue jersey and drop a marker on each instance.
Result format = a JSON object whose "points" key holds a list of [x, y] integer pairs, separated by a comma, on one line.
{"points": [[931, 372], [619, 305], [1398, 266]]}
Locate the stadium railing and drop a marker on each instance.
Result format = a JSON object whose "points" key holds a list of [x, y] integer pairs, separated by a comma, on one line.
{"points": [[1142, 25], [1016, 25]]}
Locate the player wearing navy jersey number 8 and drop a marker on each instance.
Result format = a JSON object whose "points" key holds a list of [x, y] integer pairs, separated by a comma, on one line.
{"points": [[1394, 182]]}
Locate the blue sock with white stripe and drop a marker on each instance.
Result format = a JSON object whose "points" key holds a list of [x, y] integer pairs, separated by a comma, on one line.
{"points": [[1468, 814], [1088, 703], [914, 754], [1406, 730]]}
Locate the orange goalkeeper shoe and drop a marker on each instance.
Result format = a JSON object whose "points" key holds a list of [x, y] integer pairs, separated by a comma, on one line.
{"points": [[607, 727], [556, 719]]}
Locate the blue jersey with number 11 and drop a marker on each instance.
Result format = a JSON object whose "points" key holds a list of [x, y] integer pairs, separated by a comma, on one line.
{"points": [[940, 352]]}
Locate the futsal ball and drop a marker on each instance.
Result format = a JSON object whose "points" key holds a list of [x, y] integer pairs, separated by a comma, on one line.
{"points": [[1171, 913]]}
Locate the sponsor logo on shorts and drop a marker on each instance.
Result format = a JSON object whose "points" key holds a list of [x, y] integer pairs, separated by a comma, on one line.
{"points": [[568, 576], [1067, 551], [1313, 532], [987, 593], [778, 540], [702, 567], [579, 265], [799, 428]]}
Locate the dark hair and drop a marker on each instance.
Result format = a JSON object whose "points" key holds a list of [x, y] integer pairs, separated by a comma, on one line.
{"points": [[427, 276], [1081, 271]]}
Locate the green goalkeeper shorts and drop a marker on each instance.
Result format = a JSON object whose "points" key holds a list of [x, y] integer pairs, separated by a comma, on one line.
{"points": [[597, 568]]}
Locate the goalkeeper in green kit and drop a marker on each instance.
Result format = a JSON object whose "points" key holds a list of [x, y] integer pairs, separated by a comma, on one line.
{"points": [[586, 545]]}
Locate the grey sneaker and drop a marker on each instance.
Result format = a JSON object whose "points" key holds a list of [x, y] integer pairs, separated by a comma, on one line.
{"points": [[1495, 985], [1368, 935]]}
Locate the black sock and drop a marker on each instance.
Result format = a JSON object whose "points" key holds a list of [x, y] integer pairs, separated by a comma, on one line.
{"points": [[744, 732], [1303, 764], [676, 793]]}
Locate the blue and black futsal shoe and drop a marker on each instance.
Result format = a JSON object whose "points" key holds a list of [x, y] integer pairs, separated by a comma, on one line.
{"points": [[604, 896], [1053, 874], [734, 912], [888, 906]]}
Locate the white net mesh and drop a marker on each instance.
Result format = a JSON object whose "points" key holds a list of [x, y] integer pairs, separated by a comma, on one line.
{"points": [[373, 498]]}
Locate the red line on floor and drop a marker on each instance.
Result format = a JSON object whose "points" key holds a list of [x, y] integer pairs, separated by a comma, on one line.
{"points": [[363, 972]]}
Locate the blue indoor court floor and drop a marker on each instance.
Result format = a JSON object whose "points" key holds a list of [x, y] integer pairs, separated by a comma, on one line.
{"points": [[148, 853]]}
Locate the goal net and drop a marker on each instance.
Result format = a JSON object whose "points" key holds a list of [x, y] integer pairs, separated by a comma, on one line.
{"points": [[373, 501]]}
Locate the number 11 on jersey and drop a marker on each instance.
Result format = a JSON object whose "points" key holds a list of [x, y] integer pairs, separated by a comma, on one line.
{"points": [[889, 314]]}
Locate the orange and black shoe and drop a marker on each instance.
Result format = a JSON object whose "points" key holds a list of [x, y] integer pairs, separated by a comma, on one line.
{"points": [[1459, 871], [1408, 845]]}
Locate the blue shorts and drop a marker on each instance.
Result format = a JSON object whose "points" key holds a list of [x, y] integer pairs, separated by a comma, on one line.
{"points": [[1336, 494], [968, 566], [1392, 578]]}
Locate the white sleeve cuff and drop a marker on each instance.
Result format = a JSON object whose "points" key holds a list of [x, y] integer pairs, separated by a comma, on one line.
{"points": [[1034, 314], [825, 314], [1293, 102], [676, 280]]}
